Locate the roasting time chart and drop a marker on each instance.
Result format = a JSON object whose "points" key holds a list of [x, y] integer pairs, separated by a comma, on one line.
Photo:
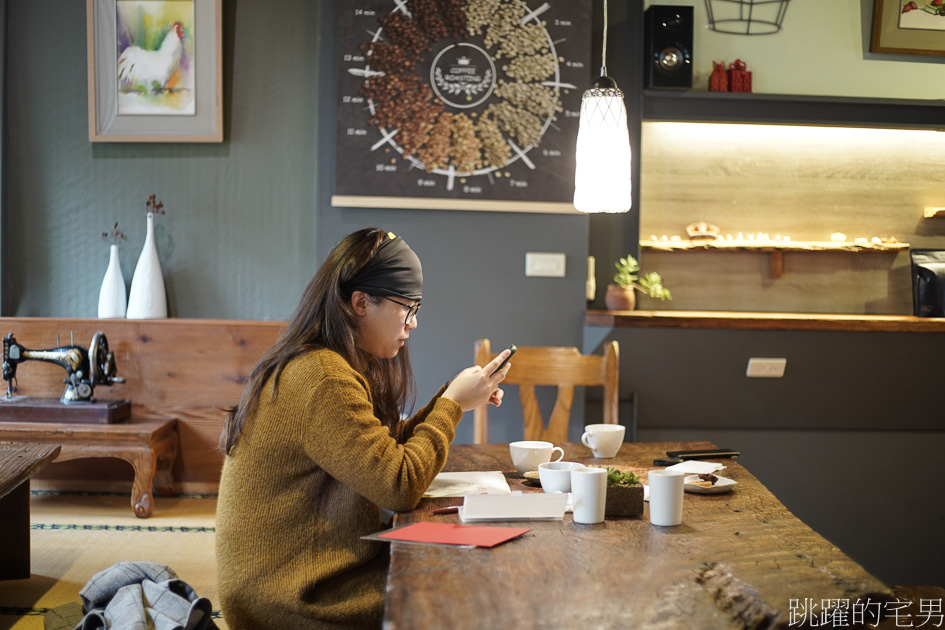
{"points": [[460, 104]]}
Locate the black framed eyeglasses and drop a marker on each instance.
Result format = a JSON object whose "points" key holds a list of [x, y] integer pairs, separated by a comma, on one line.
{"points": [[411, 310]]}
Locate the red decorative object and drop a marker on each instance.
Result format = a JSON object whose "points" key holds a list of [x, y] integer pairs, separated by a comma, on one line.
{"points": [[739, 79], [718, 80]]}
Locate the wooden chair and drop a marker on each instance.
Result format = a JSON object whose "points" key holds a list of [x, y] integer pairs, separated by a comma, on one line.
{"points": [[561, 366]]}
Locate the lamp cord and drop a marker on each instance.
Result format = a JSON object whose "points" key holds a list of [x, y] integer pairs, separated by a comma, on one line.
{"points": [[603, 54]]}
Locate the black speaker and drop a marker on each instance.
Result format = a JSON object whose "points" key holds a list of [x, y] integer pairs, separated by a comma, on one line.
{"points": [[668, 46]]}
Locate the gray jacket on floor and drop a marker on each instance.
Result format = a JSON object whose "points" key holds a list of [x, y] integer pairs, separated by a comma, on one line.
{"points": [[142, 596]]}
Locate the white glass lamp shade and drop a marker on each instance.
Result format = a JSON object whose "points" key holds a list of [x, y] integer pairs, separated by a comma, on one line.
{"points": [[602, 178]]}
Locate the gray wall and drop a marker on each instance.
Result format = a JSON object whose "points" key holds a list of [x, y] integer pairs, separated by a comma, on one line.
{"points": [[474, 268], [849, 439], [249, 220]]}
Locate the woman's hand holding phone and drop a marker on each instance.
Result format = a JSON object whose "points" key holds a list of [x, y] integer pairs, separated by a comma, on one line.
{"points": [[476, 386]]}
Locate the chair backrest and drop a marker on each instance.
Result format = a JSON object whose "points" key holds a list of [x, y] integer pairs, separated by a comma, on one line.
{"points": [[561, 366]]}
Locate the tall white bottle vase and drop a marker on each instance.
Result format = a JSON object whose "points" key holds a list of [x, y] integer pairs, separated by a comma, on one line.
{"points": [[112, 299], [148, 299]]}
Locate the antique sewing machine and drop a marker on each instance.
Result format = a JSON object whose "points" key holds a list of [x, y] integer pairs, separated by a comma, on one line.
{"points": [[84, 370]]}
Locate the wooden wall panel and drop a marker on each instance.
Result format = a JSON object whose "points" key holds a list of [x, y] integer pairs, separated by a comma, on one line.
{"points": [[805, 182], [191, 370]]}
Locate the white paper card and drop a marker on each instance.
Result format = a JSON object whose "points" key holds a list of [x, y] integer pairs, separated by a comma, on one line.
{"points": [[514, 507], [459, 484], [694, 467]]}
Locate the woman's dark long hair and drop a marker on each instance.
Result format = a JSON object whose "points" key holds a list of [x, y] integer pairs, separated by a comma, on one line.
{"points": [[324, 319]]}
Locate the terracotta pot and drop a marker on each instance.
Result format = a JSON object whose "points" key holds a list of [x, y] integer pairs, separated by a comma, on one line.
{"points": [[620, 299], [624, 500]]}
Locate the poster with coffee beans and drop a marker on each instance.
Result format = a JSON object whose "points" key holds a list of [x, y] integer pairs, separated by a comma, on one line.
{"points": [[460, 104]]}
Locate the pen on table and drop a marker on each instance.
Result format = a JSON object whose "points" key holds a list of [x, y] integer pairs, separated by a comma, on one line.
{"points": [[446, 510]]}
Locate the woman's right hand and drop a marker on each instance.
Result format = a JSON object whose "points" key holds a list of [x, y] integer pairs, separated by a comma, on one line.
{"points": [[474, 387]]}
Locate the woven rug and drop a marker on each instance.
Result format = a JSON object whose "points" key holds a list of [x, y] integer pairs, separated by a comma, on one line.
{"points": [[73, 536]]}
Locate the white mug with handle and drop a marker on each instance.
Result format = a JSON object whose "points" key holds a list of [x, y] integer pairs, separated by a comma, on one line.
{"points": [[527, 454], [603, 439]]}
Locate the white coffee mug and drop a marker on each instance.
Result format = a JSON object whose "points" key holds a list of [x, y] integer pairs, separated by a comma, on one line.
{"points": [[528, 454], [556, 476], [666, 496], [588, 494], [603, 439]]}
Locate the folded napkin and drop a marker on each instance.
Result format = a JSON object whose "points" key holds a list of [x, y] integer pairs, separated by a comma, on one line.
{"points": [[694, 467]]}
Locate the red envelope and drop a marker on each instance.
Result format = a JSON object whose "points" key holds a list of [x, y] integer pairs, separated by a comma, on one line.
{"points": [[451, 534]]}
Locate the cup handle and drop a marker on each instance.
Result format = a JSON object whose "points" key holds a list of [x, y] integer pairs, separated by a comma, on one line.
{"points": [[560, 453], [584, 441]]}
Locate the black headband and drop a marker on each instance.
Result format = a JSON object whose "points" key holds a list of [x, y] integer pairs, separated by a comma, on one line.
{"points": [[394, 270]]}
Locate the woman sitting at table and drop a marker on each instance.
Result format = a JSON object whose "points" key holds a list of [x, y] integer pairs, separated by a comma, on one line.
{"points": [[317, 445]]}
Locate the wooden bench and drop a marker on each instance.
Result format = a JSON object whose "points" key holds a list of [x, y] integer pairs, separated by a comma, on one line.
{"points": [[18, 462], [189, 369], [150, 446]]}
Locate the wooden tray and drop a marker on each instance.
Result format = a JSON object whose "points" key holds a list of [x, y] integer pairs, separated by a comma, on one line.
{"points": [[28, 409]]}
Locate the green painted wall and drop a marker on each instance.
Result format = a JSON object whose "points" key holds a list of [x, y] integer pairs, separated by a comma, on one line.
{"points": [[237, 239]]}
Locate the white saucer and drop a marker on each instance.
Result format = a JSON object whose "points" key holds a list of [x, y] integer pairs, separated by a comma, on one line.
{"points": [[724, 484]]}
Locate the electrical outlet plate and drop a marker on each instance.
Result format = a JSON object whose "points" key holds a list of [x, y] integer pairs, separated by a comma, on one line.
{"points": [[765, 368], [544, 265]]}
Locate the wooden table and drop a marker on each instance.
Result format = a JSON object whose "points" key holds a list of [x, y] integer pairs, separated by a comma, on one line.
{"points": [[150, 446], [738, 560], [18, 462]]}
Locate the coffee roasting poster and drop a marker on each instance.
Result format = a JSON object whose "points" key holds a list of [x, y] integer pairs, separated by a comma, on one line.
{"points": [[460, 104]]}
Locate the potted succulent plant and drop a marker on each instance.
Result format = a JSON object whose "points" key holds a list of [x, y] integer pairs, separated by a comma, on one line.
{"points": [[621, 295], [624, 493]]}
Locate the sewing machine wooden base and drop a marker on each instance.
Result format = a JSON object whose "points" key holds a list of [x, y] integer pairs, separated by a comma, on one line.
{"points": [[30, 409]]}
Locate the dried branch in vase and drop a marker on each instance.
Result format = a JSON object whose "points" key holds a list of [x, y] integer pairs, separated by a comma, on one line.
{"points": [[113, 236], [154, 206]]}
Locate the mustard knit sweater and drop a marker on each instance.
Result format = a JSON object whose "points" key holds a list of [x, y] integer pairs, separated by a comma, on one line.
{"points": [[304, 484]]}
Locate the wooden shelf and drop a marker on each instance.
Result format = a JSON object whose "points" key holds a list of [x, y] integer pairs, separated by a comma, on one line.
{"points": [[765, 321], [775, 249], [790, 109]]}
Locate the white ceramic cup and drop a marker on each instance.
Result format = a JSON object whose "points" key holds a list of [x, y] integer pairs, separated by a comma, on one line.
{"points": [[528, 454], [666, 496], [603, 439], [588, 494], [556, 476]]}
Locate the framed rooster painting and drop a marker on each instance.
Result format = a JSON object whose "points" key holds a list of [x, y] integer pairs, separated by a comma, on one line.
{"points": [[155, 70]]}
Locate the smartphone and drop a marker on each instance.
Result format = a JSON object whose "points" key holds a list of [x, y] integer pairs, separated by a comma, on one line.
{"points": [[512, 350], [709, 453]]}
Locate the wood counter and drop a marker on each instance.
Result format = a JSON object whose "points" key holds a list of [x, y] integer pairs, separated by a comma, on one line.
{"points": [[731, 320]]}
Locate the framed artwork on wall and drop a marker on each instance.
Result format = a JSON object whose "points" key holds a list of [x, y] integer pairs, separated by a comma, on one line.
{"points": [[155, 70], [908, 27], [460, 105]]}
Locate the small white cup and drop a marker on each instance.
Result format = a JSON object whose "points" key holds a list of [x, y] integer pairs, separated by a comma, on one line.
{"points": [[666, 497], [528, 454], [603, 439], [588, 494], [556, 476]]}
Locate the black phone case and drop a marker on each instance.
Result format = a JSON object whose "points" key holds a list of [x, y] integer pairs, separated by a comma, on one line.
{"points": [[709, 453]]}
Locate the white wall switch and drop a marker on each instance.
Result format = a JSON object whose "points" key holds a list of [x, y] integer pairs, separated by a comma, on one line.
{"points": [[544, 265], [765, 368]]}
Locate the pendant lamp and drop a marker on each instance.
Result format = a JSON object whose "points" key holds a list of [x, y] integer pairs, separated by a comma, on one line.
{"points": [[602, 161]]}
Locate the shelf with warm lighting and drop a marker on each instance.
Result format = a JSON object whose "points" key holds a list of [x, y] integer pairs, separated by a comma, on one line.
{"points": [[791, 109], [774, 249]]}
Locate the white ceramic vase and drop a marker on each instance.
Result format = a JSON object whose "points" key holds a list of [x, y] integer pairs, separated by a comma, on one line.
{"points": [[148, 299], [112, 299]]}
